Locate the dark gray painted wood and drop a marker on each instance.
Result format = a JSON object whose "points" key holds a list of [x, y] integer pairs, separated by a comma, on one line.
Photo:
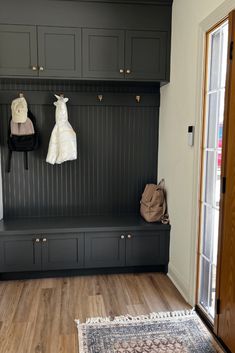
{"points": [[58, 225], [103, 53], [18, 50], [146, 55], [117, 156], [89, 15], [62, 251], [86, 242], [147, 248], [59, 52], [85, 98], [104, 249], [145, 2], [20, 254]]}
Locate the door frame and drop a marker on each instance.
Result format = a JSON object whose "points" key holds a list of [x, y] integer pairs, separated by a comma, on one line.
{"points": [[218, 15], [202, 162]]}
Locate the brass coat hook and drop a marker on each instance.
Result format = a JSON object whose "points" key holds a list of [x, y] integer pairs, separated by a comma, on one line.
{"points": [[138, 99], [100, 97]]}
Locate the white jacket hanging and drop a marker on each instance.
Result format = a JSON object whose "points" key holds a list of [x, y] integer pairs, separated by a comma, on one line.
{"points": [[63, 141]]}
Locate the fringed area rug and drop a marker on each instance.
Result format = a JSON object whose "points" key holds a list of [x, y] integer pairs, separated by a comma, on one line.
{"points": [[178, 332]]}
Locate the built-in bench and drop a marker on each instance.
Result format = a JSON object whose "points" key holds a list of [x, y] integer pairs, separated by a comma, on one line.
{"points": [[84, 244]]}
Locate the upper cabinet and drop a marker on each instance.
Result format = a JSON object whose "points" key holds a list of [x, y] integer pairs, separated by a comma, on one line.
{"points": [[129, 55], [146, 55], [105, 54], [18, 50], [59, 52]]}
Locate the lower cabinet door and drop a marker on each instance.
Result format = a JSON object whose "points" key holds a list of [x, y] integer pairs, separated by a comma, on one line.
{"points": [[20, 253], [62, 251], [146, 248], [104, 249]]}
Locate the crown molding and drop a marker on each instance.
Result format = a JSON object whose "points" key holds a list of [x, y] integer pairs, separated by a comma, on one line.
{"points": [[133, 2]]}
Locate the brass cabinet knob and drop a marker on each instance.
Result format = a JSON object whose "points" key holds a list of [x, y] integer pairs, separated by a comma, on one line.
{"points": [[128, 71], [129, 236], [122, 236], [44, 240], [121, 71], [37, 240], [34, 68], [41, 68]]}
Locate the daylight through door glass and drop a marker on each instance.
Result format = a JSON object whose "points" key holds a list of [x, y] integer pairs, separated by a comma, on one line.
{"points": [[211, 170]]}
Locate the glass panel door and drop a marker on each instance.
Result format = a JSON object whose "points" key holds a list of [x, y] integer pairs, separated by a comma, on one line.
{"points": [[217, 43]]}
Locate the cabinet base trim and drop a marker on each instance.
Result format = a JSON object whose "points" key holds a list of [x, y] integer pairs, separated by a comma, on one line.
{"points": [[81, 272]]}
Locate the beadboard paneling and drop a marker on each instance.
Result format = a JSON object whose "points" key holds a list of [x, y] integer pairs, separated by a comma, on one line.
{"points": [[117, 156]]}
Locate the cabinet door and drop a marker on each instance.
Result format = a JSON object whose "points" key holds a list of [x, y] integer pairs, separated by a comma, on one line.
{"points": [[18, 54], [104, 249], [59, 51], [62, 251], [20, 253], [145, 248], [103, 53], [146, 55]]}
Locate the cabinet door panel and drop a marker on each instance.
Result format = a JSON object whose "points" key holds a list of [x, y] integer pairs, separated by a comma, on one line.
{"points": [[146, 55], [63, 251], [59, 51], [103, 53], [20, 253], [104, 250], [147, 248], [18, 52]]}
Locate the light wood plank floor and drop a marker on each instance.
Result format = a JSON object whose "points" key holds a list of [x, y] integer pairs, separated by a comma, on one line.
{"points": [[37, 316]]}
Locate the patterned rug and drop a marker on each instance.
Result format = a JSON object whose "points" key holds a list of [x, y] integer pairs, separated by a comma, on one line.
{"points": [[179, 332]]}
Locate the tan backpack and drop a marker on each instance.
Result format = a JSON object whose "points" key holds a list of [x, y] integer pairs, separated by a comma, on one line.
{"points": [[153, 206]]}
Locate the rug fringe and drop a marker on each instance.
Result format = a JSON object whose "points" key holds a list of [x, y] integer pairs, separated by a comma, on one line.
{"points": [[145, 318]]}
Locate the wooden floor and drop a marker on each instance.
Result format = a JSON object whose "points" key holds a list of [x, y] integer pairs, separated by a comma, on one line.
{"points": [[37, 316]]}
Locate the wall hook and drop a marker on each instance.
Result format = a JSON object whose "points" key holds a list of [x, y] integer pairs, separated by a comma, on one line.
{"points": [[137, 98], [100, 97], [21, 95]]}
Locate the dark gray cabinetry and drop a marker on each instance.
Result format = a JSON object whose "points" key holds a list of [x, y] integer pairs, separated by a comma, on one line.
{"points": [[108, 54], [36, 253], [20, 253], [133, 248], [130, 55], [59, 52], [103, 53], [147, 248], [88, 242], [146, 55], [104, 249], [62, 251], [18, 50]]}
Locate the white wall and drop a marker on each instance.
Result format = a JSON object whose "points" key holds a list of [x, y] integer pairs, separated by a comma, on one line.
{"points": [[180, 107]]}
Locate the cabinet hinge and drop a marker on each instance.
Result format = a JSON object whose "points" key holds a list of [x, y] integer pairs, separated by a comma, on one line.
{"points": [[231, 51], [223, 186], [217, 306]]}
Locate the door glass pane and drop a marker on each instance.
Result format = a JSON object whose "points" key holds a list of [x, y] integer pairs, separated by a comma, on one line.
{"points": [[211, 174]]}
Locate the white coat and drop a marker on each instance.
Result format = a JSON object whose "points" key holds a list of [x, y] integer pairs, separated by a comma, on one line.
{"points": [[63, 141]]}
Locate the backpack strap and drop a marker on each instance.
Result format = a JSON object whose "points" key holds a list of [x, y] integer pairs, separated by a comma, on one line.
{"points": [[9, 161], [26, 164]]}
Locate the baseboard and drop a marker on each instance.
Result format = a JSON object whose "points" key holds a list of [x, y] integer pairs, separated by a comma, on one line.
{"points": [[178, 281]]}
